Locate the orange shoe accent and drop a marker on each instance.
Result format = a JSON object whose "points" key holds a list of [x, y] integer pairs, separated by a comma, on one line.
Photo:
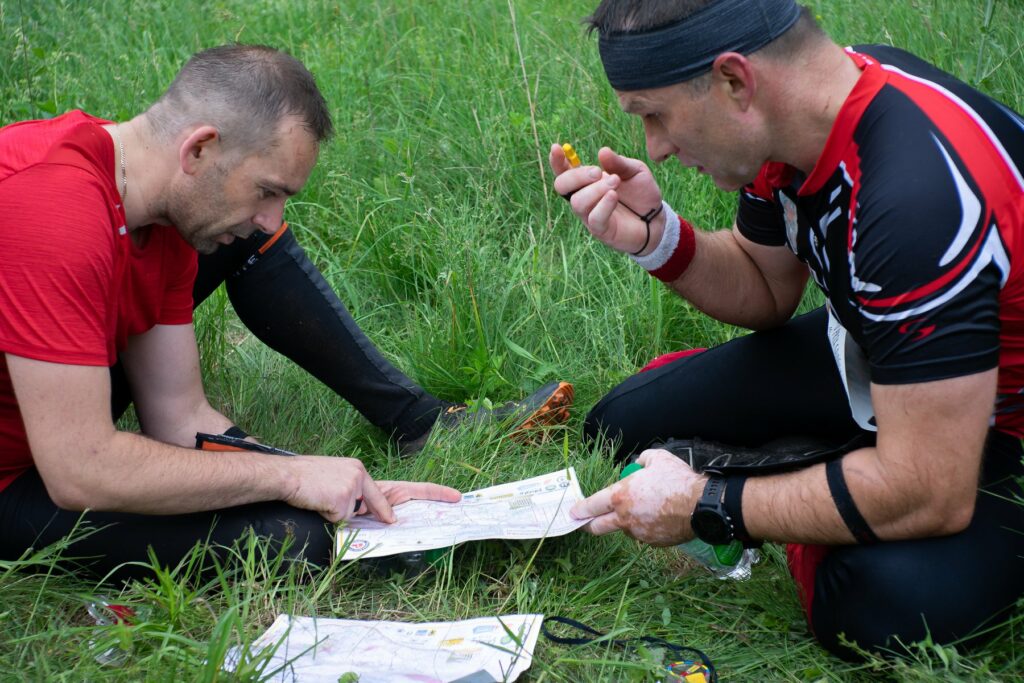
{"points": [[554, 411]]}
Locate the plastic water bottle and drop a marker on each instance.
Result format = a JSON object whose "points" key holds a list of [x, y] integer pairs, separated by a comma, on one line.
{"points": [[410, 564], [729, 561]]}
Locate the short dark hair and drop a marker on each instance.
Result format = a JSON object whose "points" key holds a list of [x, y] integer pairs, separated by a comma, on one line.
{"points": [[244, 90], [638, 16]]}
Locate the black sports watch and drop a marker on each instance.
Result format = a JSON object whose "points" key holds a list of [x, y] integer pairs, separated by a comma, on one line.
{"points": [[709, 519]]}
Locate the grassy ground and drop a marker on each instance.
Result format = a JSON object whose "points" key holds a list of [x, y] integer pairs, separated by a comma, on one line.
{"points": [[431, 214]]}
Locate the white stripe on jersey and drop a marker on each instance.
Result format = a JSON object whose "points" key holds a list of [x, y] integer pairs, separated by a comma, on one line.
{"points": [[992, 252], [970, 112], [970, 207]]}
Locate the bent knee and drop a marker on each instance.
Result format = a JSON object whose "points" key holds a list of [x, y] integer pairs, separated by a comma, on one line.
{"points": [[297, 533], [883, 600]]}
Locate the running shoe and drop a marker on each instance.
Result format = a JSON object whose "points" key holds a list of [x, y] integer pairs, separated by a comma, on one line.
{"points": [[545, 407]]}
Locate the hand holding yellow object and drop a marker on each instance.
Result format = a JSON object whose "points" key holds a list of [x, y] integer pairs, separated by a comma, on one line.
{"points": [[570, 155]]}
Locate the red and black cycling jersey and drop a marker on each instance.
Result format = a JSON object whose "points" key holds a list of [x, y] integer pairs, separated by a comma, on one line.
{"points": [[911, 222]]}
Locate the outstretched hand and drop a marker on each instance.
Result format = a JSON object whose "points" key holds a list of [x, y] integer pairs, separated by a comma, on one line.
{"points": [[652, 505], [338, 488], [609, 197]]}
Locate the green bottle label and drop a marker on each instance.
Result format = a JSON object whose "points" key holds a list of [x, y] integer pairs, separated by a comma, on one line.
{"points": [[729, 554]]}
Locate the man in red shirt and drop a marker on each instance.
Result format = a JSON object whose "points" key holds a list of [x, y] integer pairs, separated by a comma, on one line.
{"points": [[99, 234], [899, 190]]}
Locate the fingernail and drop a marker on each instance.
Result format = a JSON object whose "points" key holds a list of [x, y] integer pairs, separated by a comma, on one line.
{"points": [[594, 173]]}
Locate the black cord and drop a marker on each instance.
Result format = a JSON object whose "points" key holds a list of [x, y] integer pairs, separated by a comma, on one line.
{"points": [[646, 218], [679, 651]]}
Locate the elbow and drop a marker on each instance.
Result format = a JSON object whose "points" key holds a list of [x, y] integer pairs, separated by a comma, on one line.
{"points": [[75, 496], [67, 496], [950, 517], [957, 520], [772, 317]]}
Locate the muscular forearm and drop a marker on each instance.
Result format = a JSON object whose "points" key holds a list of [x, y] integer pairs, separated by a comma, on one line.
{"points": [[921, 480], [130, 473], [798, 507], [724, 282]]}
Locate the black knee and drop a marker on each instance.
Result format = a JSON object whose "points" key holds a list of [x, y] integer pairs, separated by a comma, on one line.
{"points": [[609, 422], [297, 534], [885, 598]]}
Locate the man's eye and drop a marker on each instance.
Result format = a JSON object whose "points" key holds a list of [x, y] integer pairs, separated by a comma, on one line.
{"points": [[265, 193]]}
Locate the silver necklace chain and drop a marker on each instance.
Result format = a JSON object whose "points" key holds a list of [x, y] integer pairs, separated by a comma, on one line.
{"points": [[124, 171]]}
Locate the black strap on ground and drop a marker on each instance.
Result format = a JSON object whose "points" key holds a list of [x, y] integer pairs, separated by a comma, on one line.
{"points": [[680, 651]]}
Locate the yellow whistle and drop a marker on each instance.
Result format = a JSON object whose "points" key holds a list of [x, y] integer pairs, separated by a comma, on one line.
{"points": [[570, 155]]}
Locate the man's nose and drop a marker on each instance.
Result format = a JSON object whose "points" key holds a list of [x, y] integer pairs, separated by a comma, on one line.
{"points": [[659, 147], [270, 218]]}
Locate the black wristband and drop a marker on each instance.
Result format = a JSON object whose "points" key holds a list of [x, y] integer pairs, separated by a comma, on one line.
{"points": [[733, 504], [855, 522], [236, 432]]}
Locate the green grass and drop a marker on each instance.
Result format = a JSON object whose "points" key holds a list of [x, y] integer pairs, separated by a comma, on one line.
{"points": [[432, 215]]}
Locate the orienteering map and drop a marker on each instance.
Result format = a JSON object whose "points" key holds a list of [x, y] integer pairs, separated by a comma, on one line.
{"points": [[531, 508], [314, 650]]}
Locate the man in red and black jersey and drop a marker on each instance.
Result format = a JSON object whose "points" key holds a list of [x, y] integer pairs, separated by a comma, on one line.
{"points": [[899, 190]]}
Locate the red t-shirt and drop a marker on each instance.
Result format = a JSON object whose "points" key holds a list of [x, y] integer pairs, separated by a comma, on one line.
{"points": [[73, 285]]}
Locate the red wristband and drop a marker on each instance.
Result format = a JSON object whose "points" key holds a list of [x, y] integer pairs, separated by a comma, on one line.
{"points": [[680, 259]]}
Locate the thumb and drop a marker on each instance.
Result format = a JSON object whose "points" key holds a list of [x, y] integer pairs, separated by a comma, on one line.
{"points": [[614, 163]]}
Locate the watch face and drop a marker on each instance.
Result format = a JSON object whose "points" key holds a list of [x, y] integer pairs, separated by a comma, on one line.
{"points": [[711, 527]]}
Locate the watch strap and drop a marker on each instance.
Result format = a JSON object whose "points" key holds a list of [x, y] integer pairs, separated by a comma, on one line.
{"points": [[733, 504]]}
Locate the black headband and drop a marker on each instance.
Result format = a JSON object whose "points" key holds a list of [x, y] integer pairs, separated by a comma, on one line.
{"points": [[686, 49]]}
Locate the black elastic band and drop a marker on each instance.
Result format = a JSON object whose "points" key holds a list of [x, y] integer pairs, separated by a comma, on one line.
{"points": [[236, 432], [855, 522], [733, 503], [680, 651]]}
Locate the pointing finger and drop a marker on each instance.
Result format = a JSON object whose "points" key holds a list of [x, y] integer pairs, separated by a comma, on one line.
{"points": [[598, 504], [376, 501]]}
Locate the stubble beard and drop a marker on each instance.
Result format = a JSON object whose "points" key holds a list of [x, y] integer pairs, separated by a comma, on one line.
{"points": [[193, 211]]}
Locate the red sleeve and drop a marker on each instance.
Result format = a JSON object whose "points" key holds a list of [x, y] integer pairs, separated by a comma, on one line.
{"points": [[184, 264], [59, 261]]}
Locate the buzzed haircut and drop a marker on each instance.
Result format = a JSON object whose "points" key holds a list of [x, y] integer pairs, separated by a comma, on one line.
{"points": [[245, 91]]}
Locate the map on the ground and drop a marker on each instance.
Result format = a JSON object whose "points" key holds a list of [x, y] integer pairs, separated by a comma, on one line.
{"points": [[531, 508], [315, 650]]}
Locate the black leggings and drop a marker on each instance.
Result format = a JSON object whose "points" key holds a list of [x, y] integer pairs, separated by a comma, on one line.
{"points": [[115, 545], [783, 382], [281, 296], [284, 300]]}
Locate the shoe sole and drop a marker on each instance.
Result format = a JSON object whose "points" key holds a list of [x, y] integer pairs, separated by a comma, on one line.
{"points": [[554, 411]]}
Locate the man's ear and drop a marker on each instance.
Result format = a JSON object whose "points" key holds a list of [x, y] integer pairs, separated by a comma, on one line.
{"points": [[735, 74], [198, 149]]}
